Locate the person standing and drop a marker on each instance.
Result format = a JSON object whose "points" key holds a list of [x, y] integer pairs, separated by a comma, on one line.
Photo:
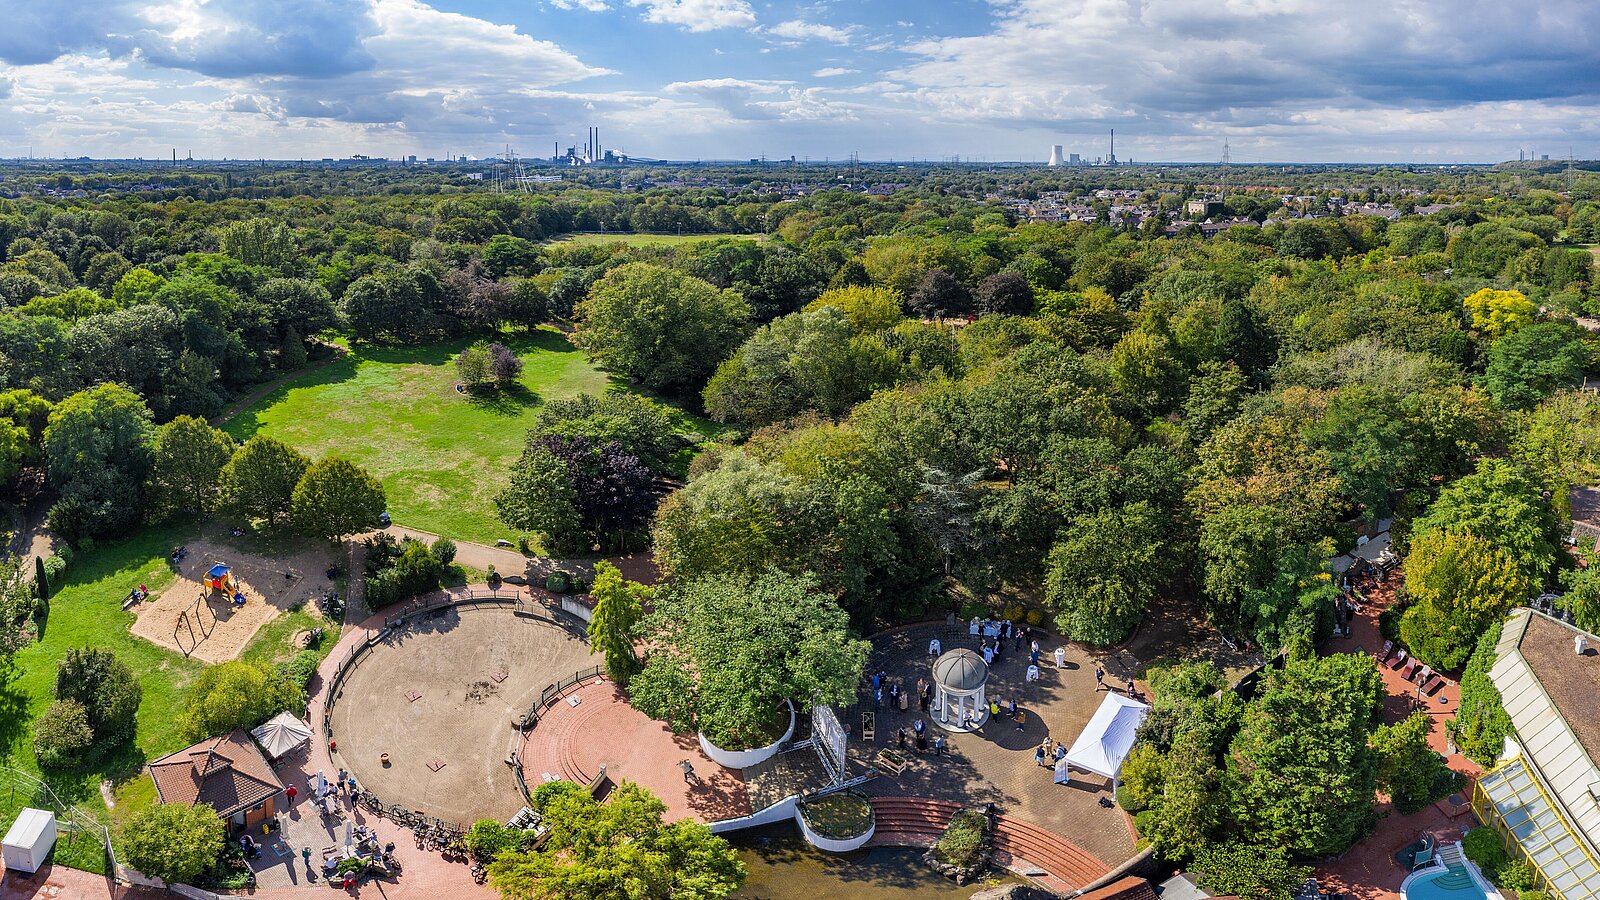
{"points": [[988, 655], [688, 772], [1099, 678], [1021, 631], [341, 782], [289, 793]]}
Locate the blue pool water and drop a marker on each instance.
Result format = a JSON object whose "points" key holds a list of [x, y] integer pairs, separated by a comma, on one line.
{"points": [[1453, 883]]}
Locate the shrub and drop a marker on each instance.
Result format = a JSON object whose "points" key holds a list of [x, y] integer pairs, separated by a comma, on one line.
{"points": [[1481, 724], [557, 582], [962, 843], [55, 568], [545, 793], [61, 736], [172, 841], [106, 687], [1518, 876], [487, 838], [301, 668], [444, 551], [1482, 845]]}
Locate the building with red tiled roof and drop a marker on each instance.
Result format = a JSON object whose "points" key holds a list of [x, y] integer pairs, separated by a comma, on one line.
{"points": [[229, 772], [1130, 888]]}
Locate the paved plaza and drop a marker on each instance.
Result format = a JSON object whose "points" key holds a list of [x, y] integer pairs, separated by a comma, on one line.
{"points": [[573, 740], [996, 764]]}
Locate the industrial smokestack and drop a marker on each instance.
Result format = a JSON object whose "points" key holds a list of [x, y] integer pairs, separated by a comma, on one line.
{"points": [[1055, 155]]}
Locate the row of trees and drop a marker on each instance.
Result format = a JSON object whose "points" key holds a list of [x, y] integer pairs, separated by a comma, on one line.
{"points": [[113, 467]]}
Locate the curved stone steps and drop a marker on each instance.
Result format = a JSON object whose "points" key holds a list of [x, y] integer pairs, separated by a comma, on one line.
{"points": [[1054, 861]]}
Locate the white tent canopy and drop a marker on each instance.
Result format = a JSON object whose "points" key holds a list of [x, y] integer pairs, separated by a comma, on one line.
{"points": [[1108, 738], [282, 734]]}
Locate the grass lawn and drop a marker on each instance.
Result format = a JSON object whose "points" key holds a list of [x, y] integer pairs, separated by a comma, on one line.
{"points": [[441, 456], [589, 239], [87, 611]]}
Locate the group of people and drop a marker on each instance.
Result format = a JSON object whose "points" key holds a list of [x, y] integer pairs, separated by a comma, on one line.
{"points": [[885, 691], [919, 740], [1049, 753]]}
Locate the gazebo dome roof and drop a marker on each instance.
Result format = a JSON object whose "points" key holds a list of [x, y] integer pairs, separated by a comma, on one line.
{"points": [[960, 671]]}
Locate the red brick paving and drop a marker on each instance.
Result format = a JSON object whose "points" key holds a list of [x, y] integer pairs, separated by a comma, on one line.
{"points": [[61, 883], [573, 742], [1368, 871]]}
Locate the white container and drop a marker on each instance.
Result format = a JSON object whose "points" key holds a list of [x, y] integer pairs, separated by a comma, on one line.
{"points": [[834, 845], [29, 841], [742, 759]]}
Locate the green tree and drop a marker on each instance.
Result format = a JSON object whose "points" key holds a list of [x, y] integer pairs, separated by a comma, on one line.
{"points": [[1297, 602], [868, 309], [336, 497], [1303, 772], [1533, 363], [743, 645], [1502, 505], [258, 482], [663, 328], [541, 497], [618, 609], [618, 850], [472, 367], [1190, 809], [62, 736], [1146, 372], [1481, 724], [1250, 871], [1409, 771], [186, 461], [236, 694], [1459, 585], [1104, 571], [174, 842], [97, 447], [260, 242], [107, 688]]}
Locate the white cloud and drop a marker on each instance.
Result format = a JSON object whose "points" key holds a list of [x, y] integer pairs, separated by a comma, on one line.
{"points": [[698, 15], [798, 30], [586, 5], [832, 71]]}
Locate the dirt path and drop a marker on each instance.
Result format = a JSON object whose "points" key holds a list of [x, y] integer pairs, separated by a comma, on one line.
{"points": [[250, 399]]}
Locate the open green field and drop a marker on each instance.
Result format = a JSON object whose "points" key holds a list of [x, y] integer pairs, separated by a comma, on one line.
{"points": [[442, 456], [589, 239]]}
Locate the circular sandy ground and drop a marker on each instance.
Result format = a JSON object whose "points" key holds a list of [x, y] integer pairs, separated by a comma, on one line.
{"points": [[465, 716]]}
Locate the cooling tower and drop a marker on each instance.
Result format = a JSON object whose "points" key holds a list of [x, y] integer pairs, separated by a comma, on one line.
{"points": [[1055, 155]]}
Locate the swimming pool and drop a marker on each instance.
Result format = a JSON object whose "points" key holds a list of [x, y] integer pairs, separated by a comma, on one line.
{"points": [[1453, 882]]}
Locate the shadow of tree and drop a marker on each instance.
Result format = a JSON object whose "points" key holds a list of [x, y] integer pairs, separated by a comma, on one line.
{"points": [[508, 401]]}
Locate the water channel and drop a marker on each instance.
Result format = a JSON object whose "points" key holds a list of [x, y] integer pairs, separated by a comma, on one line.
{"points": [[784, 867]]}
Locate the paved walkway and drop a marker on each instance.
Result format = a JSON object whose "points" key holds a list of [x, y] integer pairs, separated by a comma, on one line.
{"points": [[61, 883], [573, 740], [995, 765], [510, 561], [1368, 871]]}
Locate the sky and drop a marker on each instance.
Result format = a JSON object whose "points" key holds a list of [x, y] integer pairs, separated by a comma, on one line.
{"points": [[1277, 80]]}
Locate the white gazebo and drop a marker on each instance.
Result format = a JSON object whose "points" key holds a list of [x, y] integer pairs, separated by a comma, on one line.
{"points": [[282, 734], [958, 680], [1109, 736]]}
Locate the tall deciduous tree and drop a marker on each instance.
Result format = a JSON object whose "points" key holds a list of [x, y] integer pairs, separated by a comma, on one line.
{"points": [[1302, 768], [336, 497], [1505, 507], [1104, 571], [614, 626], [107, 688], [186, 461], [259, 480], [663, 328], [618, 850], [97, 444], [742, 646], [1409, 771], [1459, 585]]}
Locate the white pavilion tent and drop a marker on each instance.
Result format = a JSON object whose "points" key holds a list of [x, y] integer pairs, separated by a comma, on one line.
{"points": [[282, 734], [1109, 736]]}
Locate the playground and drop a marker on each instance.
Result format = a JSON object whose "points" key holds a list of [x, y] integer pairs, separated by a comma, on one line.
{"points": [[199, 614]]}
